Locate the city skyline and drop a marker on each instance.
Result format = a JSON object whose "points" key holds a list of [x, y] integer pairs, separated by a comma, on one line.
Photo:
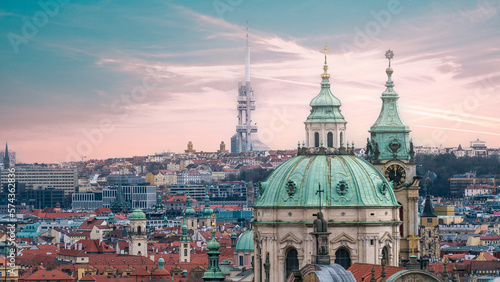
{"points": [[117, 80]]}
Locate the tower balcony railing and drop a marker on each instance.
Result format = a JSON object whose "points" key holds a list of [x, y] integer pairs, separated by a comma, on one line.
{"points": [[244, 107], [244, 99], [243, 128]]}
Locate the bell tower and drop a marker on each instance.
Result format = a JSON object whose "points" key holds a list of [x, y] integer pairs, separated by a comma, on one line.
{"points": [[325, 125], [390, 150], [190, 215], [138, 241], [429, 225], [185, 245]]}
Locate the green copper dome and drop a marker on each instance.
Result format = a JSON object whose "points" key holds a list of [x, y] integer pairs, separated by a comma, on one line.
{"points": [[189, 211], [348, 181], [325, 107], [234, 235], [245, 242], [137, 214], [207, 211], [213, 245]]}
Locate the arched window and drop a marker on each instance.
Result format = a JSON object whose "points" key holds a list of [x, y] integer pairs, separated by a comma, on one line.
{"points": [[341, 137], [185, 252], [292, 262], [316, 139], [343, 258], [385, 255], [329, 140], [139, 230]]}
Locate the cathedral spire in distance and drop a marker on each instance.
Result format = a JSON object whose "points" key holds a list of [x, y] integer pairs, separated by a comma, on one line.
{"points": [[6, 158]]}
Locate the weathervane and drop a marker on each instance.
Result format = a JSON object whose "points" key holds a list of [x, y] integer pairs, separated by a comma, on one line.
{"points": [[389, 55]]}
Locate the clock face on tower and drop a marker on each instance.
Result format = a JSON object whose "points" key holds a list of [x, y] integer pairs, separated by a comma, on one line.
{"points": [[395, 173]]}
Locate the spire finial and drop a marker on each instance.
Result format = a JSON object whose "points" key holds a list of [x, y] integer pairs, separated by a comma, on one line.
{"points": [[373, 279], [247, 59], [325, 50], [389, 84], [389, 55]]}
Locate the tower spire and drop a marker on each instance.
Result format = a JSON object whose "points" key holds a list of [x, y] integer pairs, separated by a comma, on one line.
{"points": [[213, 273], [325, 74], [6, 158], [242, 141], [185, 243], [247, 60], [389, 84]]}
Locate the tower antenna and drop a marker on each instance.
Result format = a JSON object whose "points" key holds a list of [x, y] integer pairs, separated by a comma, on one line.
{"points": [[247, 59]]}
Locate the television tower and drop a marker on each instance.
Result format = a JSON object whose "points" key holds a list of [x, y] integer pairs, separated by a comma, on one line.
{"points": [[242, 141]]}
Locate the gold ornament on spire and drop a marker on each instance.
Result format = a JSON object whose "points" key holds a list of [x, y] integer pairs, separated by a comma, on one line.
{"points": [[213, 221], [325, 50]]}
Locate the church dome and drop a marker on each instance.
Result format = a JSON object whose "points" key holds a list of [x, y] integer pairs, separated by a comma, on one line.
{"points": [[207, 211], [245, 242], [347, 181], [137, 214], [325, 107], [189, 211], [325, 98]]}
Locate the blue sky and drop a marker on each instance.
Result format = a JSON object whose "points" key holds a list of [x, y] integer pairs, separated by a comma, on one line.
{"points": [[123, 78]]}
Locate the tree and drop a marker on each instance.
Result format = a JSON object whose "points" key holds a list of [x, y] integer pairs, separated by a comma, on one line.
{"points": [[447, 165]]}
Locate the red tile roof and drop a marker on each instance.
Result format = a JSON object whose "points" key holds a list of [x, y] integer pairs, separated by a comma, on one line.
{"points": [[47, 275], [363, 271]]}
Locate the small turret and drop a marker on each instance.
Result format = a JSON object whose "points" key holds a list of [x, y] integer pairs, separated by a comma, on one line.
{"points": [[111, 218], [234, 238], [207, 211], [213, 273], [188, 211], [159, 205]]}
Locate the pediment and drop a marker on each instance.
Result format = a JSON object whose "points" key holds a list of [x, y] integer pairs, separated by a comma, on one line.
{"points": [[289, 237], [343, 238], [386, 237]]}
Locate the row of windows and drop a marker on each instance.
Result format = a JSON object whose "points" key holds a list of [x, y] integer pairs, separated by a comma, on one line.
{"points": [[329, 139]]}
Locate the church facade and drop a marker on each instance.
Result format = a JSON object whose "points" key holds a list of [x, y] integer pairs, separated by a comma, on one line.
{"points": [[358, 202]]}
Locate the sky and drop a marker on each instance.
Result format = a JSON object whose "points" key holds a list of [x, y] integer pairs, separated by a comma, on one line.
{"points": [[99, 79]]}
